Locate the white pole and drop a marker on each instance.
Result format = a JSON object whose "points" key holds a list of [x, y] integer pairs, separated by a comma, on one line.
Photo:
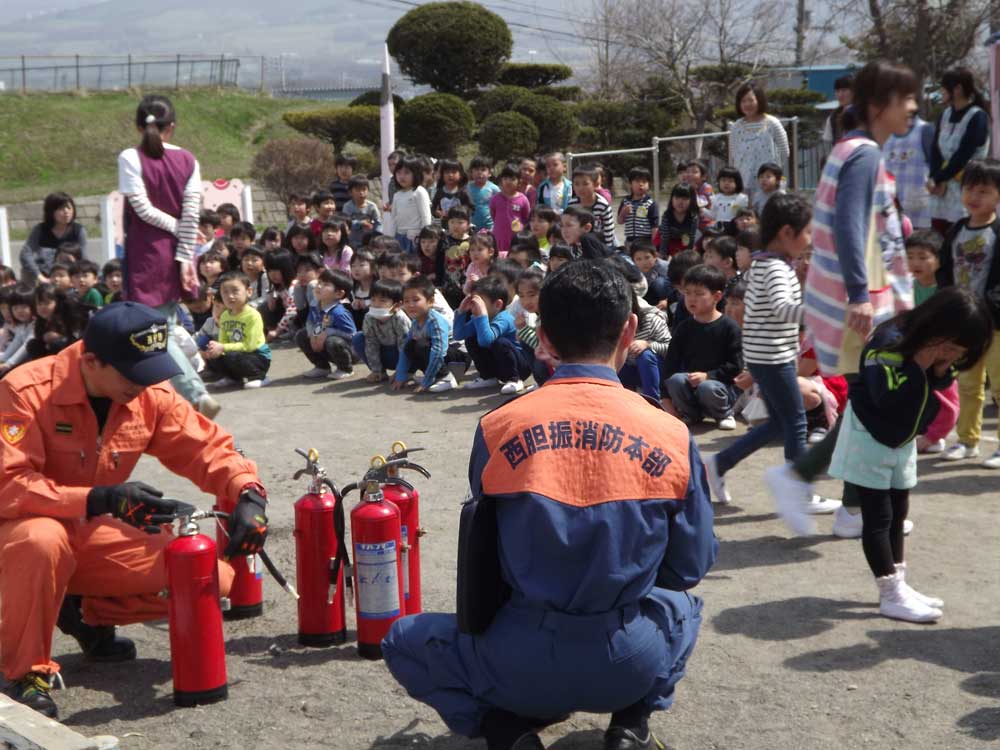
{"points": [[5, 255], [246, 204], [387, 130], [107, 229]]}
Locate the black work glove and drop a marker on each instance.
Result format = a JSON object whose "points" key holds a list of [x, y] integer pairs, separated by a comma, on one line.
{"points": [[135, 503], [247, 525]]}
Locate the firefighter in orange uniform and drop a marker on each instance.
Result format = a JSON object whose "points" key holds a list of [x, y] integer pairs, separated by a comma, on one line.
{"points": [[78, 541]]}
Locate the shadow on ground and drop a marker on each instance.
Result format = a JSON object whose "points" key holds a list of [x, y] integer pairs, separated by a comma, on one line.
{"points": [[132, 686], [790, 619]]}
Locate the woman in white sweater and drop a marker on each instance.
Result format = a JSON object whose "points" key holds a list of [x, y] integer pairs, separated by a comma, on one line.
{"points": [[756, 138]]}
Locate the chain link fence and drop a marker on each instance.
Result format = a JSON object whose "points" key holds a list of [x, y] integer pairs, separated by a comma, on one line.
{"points": [[26, 73]]}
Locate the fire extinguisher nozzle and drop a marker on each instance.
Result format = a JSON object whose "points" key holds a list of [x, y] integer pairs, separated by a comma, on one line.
{"points": [[291, 590]]}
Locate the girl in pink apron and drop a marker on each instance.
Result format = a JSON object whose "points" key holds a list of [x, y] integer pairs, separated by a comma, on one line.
{"points": [[162, 187]]}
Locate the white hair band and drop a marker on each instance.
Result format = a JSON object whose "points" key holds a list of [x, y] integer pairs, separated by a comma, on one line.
{"points": [[150, 119]]}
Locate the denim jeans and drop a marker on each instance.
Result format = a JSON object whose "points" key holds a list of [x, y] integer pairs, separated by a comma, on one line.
{"points": [[779, 388], [189, 384], [645, 373], [388, 355], [712, 399], [406, 244]]}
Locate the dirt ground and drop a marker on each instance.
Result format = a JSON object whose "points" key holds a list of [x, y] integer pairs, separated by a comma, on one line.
{"points": [[792, 652]]}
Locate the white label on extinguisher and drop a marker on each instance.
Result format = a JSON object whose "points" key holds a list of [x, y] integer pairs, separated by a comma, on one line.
{"points": [[406, 566], [378, 587]]}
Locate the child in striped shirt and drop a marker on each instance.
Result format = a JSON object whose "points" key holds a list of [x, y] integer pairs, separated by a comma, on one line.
{"points": [[587, 197], [773, 315], [639, 212]]}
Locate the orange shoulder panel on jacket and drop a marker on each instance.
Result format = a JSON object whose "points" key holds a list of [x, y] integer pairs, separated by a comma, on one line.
{"points": [[584, 443]]}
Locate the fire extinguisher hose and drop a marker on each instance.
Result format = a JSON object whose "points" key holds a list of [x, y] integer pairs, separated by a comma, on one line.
{"points": [[264, 557], [343, 558]]}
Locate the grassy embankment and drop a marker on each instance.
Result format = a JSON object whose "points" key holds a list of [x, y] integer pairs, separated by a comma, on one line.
{"points": [[70, 142]]}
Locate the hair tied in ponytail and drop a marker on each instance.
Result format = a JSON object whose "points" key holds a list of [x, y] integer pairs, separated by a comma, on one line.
{"points": [[154, 114]]}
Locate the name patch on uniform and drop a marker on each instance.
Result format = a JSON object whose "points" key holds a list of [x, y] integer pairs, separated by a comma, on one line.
{"points": [[13, 428], [585, 435], [64, 427]]}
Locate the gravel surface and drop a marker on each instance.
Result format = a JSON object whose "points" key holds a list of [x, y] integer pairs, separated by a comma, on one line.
{"points": [[792, 652]]}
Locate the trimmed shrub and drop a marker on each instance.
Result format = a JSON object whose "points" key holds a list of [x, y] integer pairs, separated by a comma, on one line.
{"points": [[554, 119], [562, 93], [338, 125], [374, 98], [499, 99], [293, 165], [435, 123], [452, 47], [504, 135], [533, 75]]}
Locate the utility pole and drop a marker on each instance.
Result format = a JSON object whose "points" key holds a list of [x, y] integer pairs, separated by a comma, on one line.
{"points": [[802, 26]]}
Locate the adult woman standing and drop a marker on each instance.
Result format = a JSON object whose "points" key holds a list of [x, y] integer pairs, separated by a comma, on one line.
{"points": [[858, 276], [756, 138], [162, 187], [58, 226], [962, 134]]}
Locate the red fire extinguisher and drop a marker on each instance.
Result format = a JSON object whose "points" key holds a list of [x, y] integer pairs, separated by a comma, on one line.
{"points": [[378, 562], [246, 596], [197, 649], [407, 499], [321, 557]]}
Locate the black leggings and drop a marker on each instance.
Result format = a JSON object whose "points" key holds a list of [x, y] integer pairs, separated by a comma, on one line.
{"points": [[883, 513]]}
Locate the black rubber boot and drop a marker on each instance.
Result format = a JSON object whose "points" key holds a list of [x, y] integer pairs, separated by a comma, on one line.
{"points": [[98, 643], [32, 690], [506, 731], [629, 730]]}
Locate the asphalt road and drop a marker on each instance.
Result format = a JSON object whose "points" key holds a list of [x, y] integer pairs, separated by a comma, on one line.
{"points": [[792, 653]]}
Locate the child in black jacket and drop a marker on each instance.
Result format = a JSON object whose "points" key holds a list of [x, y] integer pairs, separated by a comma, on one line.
{"points": [[890, 405]]}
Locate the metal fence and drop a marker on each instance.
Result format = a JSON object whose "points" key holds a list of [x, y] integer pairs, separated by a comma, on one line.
{"points": [[26, 73], [802, 167]]}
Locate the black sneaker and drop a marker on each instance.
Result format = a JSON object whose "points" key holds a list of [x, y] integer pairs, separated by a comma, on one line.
{"points": [[619, 738], [98, 643], [32, 690]]}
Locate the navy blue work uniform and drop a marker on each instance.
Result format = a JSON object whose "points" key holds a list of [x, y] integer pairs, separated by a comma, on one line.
{"points": [[604, 523]]}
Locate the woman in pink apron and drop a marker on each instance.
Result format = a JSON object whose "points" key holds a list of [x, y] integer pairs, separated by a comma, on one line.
{"points": [[162, 187]]}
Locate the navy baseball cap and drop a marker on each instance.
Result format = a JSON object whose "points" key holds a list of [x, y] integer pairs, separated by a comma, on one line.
{"points": [[132, 338]]}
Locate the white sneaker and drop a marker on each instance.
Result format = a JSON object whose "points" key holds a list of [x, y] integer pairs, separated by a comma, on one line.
{"points": [[716, 482], [822, 506], [960, 451], [222, 383], [727, 424], [847, 525], [256, 383], [930, 446], [930, 601], [446, 383], [896, 602], [511, 387], [337, 374], [993, 462], [479, 383], [817, 435], [792, 498], [907, 527], [316, 373]]}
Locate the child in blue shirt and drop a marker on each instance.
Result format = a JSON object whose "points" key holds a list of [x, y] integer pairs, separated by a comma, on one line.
{"points": [[426, 345], [481, 191], [491, 337], [329, 328]]}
